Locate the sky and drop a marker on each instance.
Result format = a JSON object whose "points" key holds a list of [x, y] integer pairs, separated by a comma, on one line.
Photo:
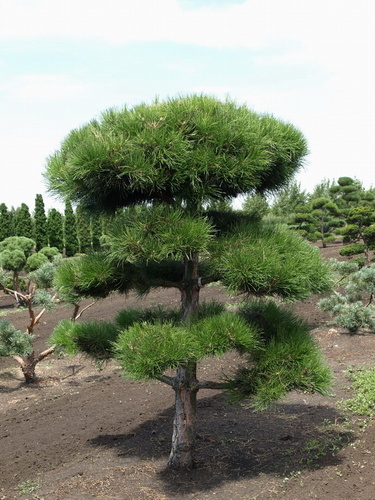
{"points": [[307, 62]]}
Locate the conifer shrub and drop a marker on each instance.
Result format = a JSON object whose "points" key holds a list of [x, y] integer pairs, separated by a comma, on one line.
{"points": [[354, 308]]}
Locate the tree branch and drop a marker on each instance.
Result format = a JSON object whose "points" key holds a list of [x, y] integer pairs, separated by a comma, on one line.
{"points": [[14, 294], [166, 380], [370, 300], [77, 315], [19, 360], [45, 353]]}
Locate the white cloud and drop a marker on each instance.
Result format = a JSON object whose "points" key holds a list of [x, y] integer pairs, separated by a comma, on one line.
{"points": [[332, 34], [330, 38], [251, 24]]}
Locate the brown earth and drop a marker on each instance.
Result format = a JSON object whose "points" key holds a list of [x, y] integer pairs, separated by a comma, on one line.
{"points": [[82, 434]]}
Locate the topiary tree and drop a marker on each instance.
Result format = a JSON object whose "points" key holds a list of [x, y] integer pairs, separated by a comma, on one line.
{"points": [[325, 214], [35, 261], [359, 233], [168, 160], [348, 193], [50, 252], [14, 252]]}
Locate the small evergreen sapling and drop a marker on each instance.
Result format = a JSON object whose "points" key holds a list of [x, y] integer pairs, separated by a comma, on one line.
{"points": [[43, 290], [14, 252], [18, 344], [354, 309]]}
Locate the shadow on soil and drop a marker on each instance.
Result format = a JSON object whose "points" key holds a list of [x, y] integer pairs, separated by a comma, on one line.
{"points": [[235, 443]]}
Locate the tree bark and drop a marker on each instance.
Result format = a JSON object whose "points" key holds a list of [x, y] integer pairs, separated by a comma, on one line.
{"points": [[29, 362], [190, 287], [182, 454], [16, 281]]}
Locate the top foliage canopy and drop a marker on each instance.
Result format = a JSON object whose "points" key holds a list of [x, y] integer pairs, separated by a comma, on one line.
{"points": [[187, 150]]}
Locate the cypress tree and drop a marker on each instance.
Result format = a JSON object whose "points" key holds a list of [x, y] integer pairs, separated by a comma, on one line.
{"points": [[5, 222], [23, 223], [40, 223], [70, 230], [55, 229], [83, 230]]}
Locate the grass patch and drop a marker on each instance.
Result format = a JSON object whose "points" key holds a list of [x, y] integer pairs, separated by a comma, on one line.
{"points": [[12, 311], [28, 486], [363, 385]]}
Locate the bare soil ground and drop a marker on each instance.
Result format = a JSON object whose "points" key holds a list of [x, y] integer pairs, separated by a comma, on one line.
{"points": [[82, 434]]}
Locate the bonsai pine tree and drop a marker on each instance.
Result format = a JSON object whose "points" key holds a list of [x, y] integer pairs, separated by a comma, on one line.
{"points": [[37, 298], [349, 193], [325, 214], [40, 223], [359, 232], [158, 166], [317, 220]]}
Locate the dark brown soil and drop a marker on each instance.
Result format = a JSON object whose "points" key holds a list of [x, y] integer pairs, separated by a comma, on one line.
{"points": [[82, 434]]}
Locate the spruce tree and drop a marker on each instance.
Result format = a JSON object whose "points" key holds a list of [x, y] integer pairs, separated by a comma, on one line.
{"points": [[40, 223], [5, 222], [55, 229], [70, 230], [23, 223], [165, 162]]}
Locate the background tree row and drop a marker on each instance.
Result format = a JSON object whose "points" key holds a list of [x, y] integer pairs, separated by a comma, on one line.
{"points": [[70, 232]]}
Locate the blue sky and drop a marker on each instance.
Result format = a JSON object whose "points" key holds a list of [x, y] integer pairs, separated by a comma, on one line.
{"points": [[309, 62]]}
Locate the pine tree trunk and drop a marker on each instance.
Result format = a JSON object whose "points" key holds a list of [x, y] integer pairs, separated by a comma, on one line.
{"points": [[16, 281], [29, 371], [182, 454], [28, 364], [190, 288]]}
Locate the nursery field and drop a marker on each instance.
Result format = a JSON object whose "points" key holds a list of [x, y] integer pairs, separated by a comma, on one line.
{"points": [[82, 433]]}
